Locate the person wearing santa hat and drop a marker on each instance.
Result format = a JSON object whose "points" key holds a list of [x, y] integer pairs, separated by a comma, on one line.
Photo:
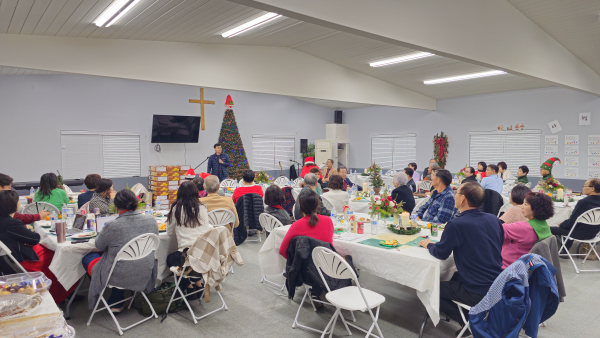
{"points": [[546, 168], [309, 163]]}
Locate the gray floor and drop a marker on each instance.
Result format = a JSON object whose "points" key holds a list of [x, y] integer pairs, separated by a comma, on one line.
{"points": [[256, 310]]}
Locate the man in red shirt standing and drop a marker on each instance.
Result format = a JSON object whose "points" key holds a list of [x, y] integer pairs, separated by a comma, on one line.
{"points": [[249, 186], [6, 184]]}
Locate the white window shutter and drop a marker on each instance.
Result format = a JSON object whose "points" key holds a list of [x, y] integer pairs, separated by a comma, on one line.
{"points": [[394, 151], [516, 148], [269, 150], [81, 155], [382, 151], [121, 155]]}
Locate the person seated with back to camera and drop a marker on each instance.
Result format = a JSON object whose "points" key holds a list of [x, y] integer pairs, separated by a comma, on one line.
{"points": [[411, 183], [440, 206], [520, 237], [475, 239], [311, 183], [274, 200], [6, 184], [492, 181], [51, 192], [515, 212], [402, 193], [187, 220], [336, 195], [214, 201], [90, 182], [199, 182], [249, 186]]}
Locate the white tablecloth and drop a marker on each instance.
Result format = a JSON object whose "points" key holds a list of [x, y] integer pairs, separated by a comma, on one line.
{"points": [[359, 179], [66, 264], [410, 266]]}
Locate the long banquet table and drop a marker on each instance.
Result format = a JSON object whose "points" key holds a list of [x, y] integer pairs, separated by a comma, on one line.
{"points": [[410, 266]]}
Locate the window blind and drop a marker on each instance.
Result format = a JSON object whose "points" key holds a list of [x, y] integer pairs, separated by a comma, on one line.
{"points": [[268, 151], [516, 148], [394, 151], [107, 154]]}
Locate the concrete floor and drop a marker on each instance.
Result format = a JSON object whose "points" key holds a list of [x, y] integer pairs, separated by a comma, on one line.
{"points": [[256, 310]]}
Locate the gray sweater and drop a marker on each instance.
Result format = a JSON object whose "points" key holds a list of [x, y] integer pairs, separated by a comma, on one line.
{"points": [[135, 275], [280, 214]]}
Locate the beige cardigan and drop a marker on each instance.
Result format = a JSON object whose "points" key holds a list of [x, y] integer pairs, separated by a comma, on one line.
{"points": [[214, 201], [327, 176]]}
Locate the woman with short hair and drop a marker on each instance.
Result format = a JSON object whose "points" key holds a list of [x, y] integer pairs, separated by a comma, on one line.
{"points": [[135, 275], [402, 194], [50, 191], [274, 200], [520, 237], [336, 195], [317, 172], [515, 212], [199, 182], [103, 197], [481, 168], [90, 182], [504, 173]]}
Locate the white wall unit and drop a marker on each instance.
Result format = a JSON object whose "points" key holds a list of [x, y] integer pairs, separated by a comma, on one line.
{"points": [[338, 134], [322, 151]]}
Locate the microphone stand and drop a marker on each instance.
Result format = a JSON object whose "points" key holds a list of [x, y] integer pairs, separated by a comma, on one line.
{"points": [[202, 163], [297, 165]]}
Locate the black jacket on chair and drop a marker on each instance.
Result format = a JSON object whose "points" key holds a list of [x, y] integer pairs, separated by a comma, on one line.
{"points": [[15, 235], [249, 207], [492, 203], [300, 268]]}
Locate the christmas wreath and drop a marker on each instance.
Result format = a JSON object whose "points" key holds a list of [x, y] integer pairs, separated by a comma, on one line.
{"points": [[402, 231], [440, 149]]}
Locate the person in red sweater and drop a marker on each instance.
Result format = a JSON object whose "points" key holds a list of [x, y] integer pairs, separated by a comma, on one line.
{"points": [[309, 163], [311, 225], [249, 186], [6, 184]]}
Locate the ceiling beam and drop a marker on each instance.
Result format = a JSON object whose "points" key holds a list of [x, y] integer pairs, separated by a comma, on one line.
{"points": [[490, 33], [272, 70]]}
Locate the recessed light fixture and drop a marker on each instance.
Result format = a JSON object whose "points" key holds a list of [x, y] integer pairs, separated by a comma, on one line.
{"points": [[114, 12], [400, 59], [464, 77], [251, 25]]}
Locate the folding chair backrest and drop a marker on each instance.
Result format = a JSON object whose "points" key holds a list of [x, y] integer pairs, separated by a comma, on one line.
{"points": [[297, 182], [332, 264], [241, 183], [36, 207], [67, 189], [86, 207], [425, 185], [281, 181], [420, 203], [138, 248], [228, 183], [504, 208], [591, 217], [269, 222], [328, 204], [220, 217], [295, 194], [5, 251]]}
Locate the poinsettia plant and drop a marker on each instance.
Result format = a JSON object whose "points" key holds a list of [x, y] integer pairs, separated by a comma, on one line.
{"points": [[384, 206], [262, 177], [550, 185]]}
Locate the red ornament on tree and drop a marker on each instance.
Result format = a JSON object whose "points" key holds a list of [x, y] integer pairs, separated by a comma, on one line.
{"points": [[229, 102]]}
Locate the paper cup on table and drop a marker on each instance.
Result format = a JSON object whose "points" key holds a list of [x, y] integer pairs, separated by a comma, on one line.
{"points": [[61, 232]]}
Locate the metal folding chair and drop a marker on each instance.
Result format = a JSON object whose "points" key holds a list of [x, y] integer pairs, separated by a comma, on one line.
{"points": [[591, 217]]}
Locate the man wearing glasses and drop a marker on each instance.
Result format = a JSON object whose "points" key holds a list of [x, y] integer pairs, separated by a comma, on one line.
{"points": [[591, 189]]}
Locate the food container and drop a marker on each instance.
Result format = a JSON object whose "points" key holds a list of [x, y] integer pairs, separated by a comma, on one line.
{"points": [[18, 304], [28, 283], [49, 326]]}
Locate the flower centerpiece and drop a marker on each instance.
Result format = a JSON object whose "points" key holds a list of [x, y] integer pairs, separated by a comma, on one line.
{"points": [[384, 206], [262, 177], [374, 172], [550, 185], [461, 173]]}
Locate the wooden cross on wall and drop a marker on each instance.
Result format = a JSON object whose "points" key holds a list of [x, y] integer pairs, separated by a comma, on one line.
{"points": [[202, 103]]}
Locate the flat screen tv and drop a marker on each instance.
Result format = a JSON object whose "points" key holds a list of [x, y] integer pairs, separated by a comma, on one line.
{"points": [[175, 129]]}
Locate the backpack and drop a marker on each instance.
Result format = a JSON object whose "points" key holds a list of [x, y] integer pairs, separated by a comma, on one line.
{"points": [[159, 298]]}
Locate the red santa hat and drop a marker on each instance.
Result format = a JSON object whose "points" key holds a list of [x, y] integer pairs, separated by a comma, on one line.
{"points": [[309, 159]]}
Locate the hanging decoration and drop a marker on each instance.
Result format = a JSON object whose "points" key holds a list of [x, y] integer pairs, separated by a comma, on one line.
{"points": [[230, 140], [440, 149]]}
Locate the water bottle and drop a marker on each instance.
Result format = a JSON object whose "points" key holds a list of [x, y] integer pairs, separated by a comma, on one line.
{"points": [[32, 192], [148, 210], [354, 189], [333, 218], [374, 227], [53, 218], [70, 219], [349, 191], [157, 205], [65, 211]]}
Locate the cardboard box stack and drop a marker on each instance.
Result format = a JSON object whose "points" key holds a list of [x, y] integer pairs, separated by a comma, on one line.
{"points": [[164, 181]]}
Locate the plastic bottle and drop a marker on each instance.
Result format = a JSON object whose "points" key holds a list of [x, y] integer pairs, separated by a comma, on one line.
{"points": [[148, 210], [65, 211], [157, 205], [333, 219], [349, 191], [70, 219], [354, 189], [53, 218], [32, 192]]}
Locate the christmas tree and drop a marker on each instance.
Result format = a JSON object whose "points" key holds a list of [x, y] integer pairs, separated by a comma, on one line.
{"points": [[230, 140]]}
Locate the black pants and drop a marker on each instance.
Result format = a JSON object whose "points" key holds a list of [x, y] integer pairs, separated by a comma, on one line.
{"points": [[454, 290], [558, 231], [174, 259]]}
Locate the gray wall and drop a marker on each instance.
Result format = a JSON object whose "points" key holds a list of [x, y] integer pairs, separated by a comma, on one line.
{"points": [[458, 116], [35, 108]]}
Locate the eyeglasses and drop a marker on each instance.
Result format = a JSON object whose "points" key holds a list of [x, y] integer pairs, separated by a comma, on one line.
{"points": [[587, 186]]}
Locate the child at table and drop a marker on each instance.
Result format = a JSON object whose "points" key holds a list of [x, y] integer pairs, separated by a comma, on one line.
{"points": [[24, 244]]}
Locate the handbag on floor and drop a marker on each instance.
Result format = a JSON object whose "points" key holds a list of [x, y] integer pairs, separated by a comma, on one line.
{"points": [[159, 298], [584, 248]]}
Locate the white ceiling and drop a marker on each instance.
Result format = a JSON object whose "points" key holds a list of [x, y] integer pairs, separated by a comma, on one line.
{"points": [[203, 21], [23, 71]]}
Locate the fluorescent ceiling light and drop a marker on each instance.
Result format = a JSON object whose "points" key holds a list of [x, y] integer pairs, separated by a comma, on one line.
{"points": [[251, 25], [400, 59], [115, 11], [464, 77]]}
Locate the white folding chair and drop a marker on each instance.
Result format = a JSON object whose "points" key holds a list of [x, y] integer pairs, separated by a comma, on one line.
{"points": [[269, 222], [328, 204], [222, 217], [136, 249], [425, 186], [295, 193], [36, 207], [528, 184], [351, 298], [590, 217], [5, 251], [86, 207], [462, 315], [420, 204], [504, 208], [297, 182], [67, 189], [281, 181], [241, 183], [228, 183]]}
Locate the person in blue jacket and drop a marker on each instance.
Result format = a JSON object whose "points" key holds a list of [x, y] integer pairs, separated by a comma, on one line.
{"points": [[475, 239], [218, 163]]}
